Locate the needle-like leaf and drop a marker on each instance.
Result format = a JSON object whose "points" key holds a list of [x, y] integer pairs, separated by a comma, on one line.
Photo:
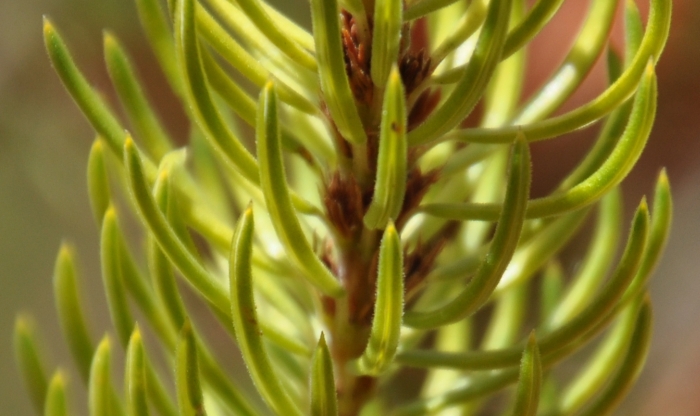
{"points": [[89, 101], [331, 71], [245, 320], [468, 90], [502, 247], [650, 49], [102, 401], [600, 255], [135, 376], [609, 175], [390, 185], [31, 363], [275, 189], [189, 390], [601, 309], [146, 124], [155, 24], [324, 400], [198, 95], [629, 369], [70, 310], [112, 277], [583, 53], [56, 402], [167, 238], [527, 396], [257, 14], [388, 309], [97, 180], [386, 37], [602, 364]]}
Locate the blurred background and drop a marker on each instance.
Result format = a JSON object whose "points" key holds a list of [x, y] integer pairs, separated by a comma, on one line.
{"points": [[44, 143]]}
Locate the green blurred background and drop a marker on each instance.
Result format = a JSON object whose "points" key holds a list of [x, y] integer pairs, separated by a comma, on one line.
{"points": [[44, 143]]}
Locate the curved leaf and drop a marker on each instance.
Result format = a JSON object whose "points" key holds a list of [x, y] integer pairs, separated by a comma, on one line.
{"points": [[468, 90], [30, 361], [500, 252], [189, 390], [70, 311], [527, 396], [390, 185], [388, 309], [277, 197], [98, 181], [585, 325], [112, 278], [199, 97], [168, 240], [56, 402], [386, 36], [608, 175], [649, 52], [102, 401], [245, 320], [257, 14], [135, 376], [629, 369], [141, 114], [324, 400], [331, 68]]}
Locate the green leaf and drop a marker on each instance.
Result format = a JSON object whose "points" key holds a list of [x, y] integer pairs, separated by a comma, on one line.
{"points": [[536, 19], [634, 31], [240, 58], [331, 71], [145, 122], [70, 311], [112, 277], [155, 23], [56, 402], [518, 36], [469, 23], [608, 175], [189, 390], [573, 333], [500, 252], [597, 261], [390, 185], [423, 7], [135, 376], [386, 36], [172, 246], [507, 318], [168, 295], [650, 50], [102, 400], [89, 101], [245, 320], [257, 14], [199, 99], [534, 254], [660, 229], [30, 361], [603, 362], [388, 309], [583, 53], [629, 369], [469, 89], [324, 401], [527, 396], [275, 189], [98, 181]]}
